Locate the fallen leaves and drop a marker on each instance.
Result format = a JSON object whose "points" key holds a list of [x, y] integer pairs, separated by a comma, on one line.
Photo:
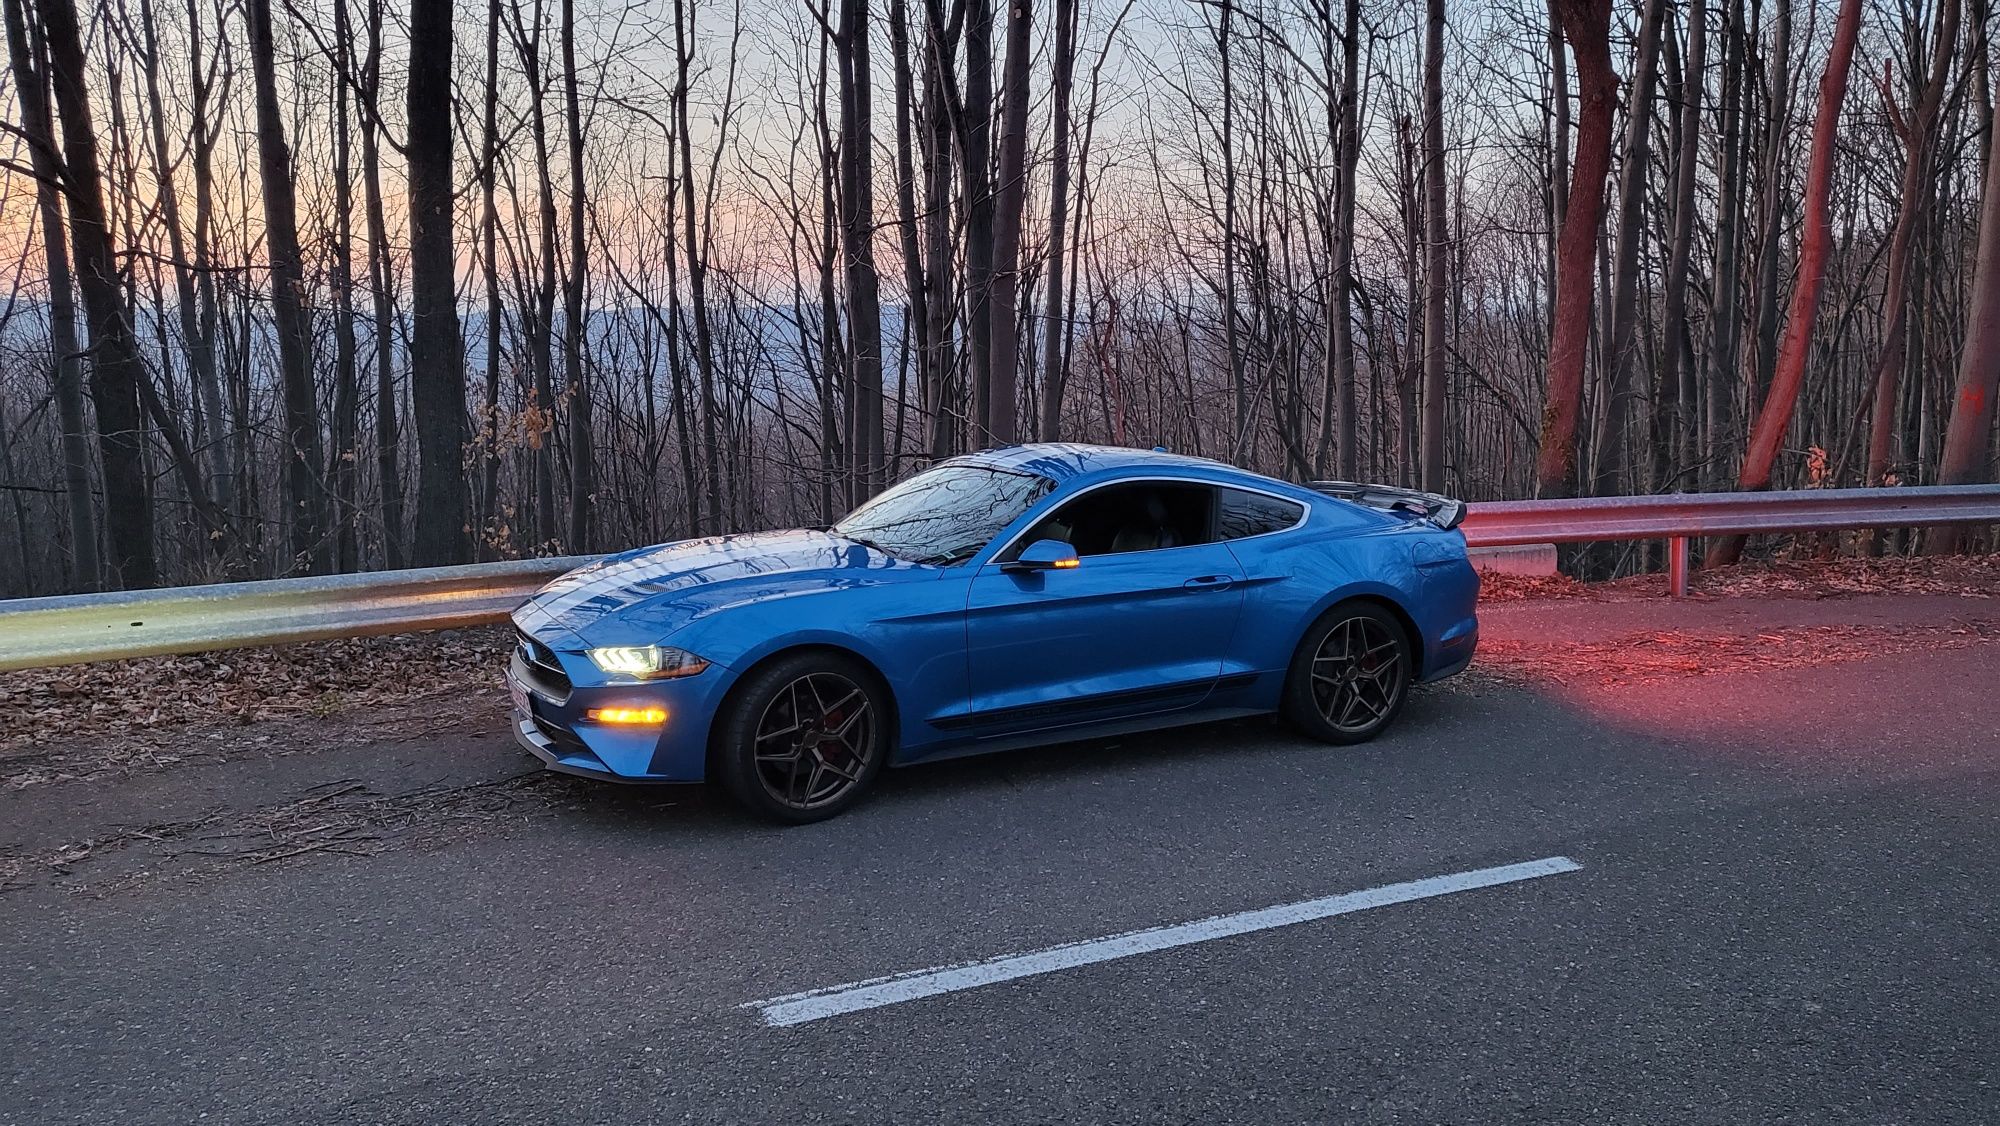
{"points": [[153, 712], [1645, 657], [1965, 576]]}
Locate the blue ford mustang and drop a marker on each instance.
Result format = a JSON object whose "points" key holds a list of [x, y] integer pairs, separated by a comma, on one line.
{"points": [[1023, 595]]}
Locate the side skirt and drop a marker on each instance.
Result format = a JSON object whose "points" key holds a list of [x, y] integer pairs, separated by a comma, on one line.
{"points": [[1080, 732]]}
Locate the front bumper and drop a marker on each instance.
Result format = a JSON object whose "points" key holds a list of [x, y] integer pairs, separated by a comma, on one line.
{"points": [[551, 719]]}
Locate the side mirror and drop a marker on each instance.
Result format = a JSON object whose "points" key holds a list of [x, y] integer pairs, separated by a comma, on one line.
{"points": [[1043, 555]]}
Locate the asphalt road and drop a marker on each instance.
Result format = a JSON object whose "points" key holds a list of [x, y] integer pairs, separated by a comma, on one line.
{"points": [[1786, 816]]}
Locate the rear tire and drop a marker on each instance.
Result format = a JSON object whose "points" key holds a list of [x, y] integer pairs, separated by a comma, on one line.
{"points": [[802, 738], [1350, 675]]}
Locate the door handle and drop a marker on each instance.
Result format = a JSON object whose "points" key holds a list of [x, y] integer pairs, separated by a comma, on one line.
{"points": [[1210, 582]]}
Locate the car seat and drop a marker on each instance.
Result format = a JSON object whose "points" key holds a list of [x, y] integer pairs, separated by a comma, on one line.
{"points": [[1147, 531]]}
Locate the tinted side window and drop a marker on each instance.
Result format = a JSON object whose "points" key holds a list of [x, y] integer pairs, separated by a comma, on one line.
{"points": [[1254, 514], [1141, 516]]}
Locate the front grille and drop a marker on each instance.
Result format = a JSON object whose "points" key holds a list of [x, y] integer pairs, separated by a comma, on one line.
{"points": [[542, 665]]}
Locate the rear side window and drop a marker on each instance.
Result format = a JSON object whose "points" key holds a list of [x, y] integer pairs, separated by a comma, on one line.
{"points": [[1254, 514]]}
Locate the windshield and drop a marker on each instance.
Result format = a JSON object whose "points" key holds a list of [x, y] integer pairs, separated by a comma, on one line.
{"points": [[944, 515]]}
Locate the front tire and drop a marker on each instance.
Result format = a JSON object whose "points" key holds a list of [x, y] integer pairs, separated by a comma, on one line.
{"points": [[803, 737], [1350, 675]]}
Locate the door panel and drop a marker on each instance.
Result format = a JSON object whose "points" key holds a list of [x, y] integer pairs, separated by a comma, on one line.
{"points": [[1124, 634]]}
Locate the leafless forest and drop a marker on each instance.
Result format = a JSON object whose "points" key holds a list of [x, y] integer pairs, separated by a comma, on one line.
{"points": [[317, 285]]}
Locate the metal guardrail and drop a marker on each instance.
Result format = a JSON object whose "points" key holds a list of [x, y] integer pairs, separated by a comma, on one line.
{"points": [[71, 629], [1678, 517], [74, 628]]}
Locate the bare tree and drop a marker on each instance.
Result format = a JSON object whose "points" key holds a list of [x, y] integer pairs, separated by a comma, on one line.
{"points": [[1673, 390], [437, 377], [342, 471], [857, 241], [1917, 133], [66, 371], [1814, 246], [381, 286], [1340, 411], [1010, 207], [697, 265], [1586, 24], [1435, 249], [302, 438], [1062, 76], [117, 368], [576, 328], [1609, 449], [1968, 442], [197, 337]]}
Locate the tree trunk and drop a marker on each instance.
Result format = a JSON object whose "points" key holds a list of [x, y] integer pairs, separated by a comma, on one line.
{"points": [[1814, 246], [939, 300], [304, 496], [1724, 300], [1055, 365], [1340, 317], [346, 461], [916, 311], [227, 470], [1587, 26], [697, 264], [857, 231], [1559, 129], [200, 352], [1968, 437], [1771, 229], [1670, 426], [116, 365], [66, 368], [1609, 449], [437, 381], [1916, 134], [1010, 209], [1435, 239], [975, 147], [388, 435], [489, 230], [541, 317], [1225, 43], [576, 330]]}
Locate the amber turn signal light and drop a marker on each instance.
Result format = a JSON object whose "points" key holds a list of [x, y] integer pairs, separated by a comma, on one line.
{"points": [[631, 717]]}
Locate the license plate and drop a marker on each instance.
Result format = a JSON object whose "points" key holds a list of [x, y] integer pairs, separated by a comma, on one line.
{"points": [[520, 696]]}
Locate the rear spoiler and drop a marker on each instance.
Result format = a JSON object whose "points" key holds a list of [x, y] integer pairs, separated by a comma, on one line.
{"points": [[1440, 510]]}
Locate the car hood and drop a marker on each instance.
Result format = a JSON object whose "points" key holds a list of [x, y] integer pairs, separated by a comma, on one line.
{"points": [[639, 597]]}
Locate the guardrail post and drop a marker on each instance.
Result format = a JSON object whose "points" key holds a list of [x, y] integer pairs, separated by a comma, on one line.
{"points": [[1677, 566]]}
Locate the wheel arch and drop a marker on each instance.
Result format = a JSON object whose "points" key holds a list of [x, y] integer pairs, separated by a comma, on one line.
{"points": [[1379, 596], [787, 650]]}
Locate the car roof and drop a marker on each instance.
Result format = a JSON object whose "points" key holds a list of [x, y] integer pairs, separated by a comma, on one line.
{"points": [[1060, 461]]}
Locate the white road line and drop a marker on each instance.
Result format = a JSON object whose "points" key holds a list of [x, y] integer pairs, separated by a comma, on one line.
{"points": [[833, 1000]]}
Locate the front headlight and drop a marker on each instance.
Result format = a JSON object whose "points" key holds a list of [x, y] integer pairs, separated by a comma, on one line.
{"points": [[647, 662]]}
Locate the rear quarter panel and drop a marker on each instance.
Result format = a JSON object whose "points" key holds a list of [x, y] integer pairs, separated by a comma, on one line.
{"points": [[1343, 552]]}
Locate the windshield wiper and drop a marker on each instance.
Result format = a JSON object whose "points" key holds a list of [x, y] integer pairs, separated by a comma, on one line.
{"points": [[864, 541], [955, 555]]}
